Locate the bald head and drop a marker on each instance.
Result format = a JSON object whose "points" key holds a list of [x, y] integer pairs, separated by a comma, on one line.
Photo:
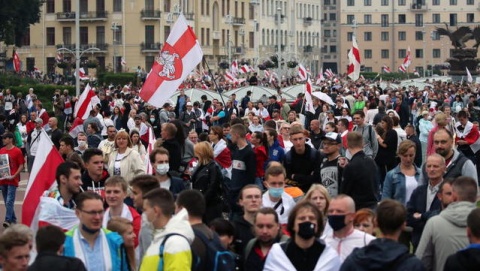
{"points": [[53, 122], [341, 204]]}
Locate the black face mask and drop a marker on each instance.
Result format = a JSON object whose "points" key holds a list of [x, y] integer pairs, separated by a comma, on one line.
{"points": [[88, 230], [337, 222], [306, 230]]}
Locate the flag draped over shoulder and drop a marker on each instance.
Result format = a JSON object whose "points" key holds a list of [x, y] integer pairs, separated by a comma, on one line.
{"points": [[178, 57], [42, 176], [354, 60]]}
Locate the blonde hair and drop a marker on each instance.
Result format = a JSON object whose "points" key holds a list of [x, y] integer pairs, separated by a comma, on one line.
{"points": [[123, 133], [323, 190], [204, 152]]}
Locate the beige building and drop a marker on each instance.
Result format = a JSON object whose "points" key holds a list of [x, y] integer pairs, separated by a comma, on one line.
{"points": [[386, 28], [113, 32]]}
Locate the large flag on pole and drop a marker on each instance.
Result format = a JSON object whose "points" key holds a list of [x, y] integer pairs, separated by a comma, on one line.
{"points": [[84, 103], [82, 74], [408, 59], [308, 97], [469, 76], [178, 57], [386, 69], [16, 61], [42, 177], [354, 60], [302, 72]]}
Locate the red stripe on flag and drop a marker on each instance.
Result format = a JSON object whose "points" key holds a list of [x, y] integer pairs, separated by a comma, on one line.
{"points": [[84, 106], [43, 181], [183, 45]]}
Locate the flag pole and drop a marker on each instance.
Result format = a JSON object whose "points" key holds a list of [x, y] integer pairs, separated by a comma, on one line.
{"points": [[214, 81]]}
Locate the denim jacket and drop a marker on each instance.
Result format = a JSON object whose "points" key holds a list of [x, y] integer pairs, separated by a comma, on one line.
{"points": [[394, 186]]}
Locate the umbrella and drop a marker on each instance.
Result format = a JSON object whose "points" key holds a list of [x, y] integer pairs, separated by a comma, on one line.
{"points": [[324, 97], [196, 93]]}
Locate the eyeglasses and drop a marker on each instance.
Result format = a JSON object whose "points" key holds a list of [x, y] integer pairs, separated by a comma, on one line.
{"points": [[93, 213]]}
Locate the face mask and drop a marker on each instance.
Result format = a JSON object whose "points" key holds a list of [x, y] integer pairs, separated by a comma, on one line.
{"points": [[229, 136], [337, 222], [306, 230], [88, 230], [82, 143], [162, 169], [152, 120], [275, 192]]}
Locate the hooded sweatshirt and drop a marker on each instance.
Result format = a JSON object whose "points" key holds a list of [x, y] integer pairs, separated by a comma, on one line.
{"points": [[467, 259], [444, 235], [382, 254], [176, 254]]}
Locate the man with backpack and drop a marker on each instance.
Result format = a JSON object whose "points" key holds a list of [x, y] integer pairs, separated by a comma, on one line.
{"points": [[207, 250], [385, 253]]}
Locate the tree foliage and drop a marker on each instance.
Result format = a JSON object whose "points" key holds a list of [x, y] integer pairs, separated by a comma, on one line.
{"points": [[16, 16]]}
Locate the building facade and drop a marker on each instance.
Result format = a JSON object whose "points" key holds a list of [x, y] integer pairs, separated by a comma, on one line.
{"points": [[121, 35], [385, 29]]}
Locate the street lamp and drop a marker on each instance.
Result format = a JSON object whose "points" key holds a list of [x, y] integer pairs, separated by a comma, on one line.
{"points": [[424, 44], [114, 31], [229, 21]]}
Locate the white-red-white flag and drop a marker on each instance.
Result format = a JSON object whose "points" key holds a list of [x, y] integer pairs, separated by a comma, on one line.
{"points": [[469, 76], [82, 74], [401, 68], [245, 69], [150, 147], [59, 57], [16, 61], [320, 77], [386, 69], [266, 74], [42, 176], [230, 77], [416, 73], [407, 60], [123, 62], [308, 97], [234, 67], [328, 73], [302, 72], [354, 61], [178, 57], [84, 103]]}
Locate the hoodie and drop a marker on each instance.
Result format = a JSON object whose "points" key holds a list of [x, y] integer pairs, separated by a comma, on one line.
{"points": [[444, 235], [382, 254], [467, 259], [177, 254]]}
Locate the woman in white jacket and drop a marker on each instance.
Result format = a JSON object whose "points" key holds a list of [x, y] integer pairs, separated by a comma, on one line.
{"points": [[304, 251], [125, 161]]}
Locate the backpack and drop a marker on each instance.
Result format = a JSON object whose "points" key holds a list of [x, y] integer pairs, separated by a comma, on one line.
{"points": [[217, 257]]}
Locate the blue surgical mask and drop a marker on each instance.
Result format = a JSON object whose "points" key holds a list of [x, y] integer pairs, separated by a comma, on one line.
{"points": [[275, 192]]}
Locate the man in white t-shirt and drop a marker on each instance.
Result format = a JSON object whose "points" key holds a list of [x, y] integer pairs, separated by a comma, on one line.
{"points": [[344, 238], [275, 197]]}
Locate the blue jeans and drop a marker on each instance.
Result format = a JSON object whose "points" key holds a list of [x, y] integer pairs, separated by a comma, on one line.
{"points": [[8, 192]]}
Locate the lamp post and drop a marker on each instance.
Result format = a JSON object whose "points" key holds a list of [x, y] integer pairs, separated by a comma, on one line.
{"points": [[77, 49], [229, 21], [424, 55], [114, 31]]}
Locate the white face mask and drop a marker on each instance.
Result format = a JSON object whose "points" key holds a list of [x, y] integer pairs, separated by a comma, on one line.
{"points": [[162, 169], [82, 143]]}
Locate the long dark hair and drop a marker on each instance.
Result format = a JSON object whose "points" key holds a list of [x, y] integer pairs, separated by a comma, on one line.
{"points": [[263, 139]]}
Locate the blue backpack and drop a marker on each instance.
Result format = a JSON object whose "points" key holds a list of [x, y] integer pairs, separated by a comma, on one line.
{"points": [[217, 257]]}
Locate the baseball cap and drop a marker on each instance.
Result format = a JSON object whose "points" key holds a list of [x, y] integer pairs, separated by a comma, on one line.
{"points": [[333, 137]]}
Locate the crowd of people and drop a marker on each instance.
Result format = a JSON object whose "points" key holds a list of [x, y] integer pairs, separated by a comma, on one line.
{"points": [[383, 179]]}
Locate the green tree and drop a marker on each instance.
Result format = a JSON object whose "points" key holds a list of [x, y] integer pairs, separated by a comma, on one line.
{"points": [[16, 17]]}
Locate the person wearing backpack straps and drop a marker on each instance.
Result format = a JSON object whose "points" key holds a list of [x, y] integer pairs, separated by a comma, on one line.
{"points": [[267, 232], [385, 253], [170, 247], [207, 249], [304, 251]]}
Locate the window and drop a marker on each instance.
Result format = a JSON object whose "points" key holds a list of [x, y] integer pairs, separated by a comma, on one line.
{"points": [[50, 35], [119, 35], [402, 53], [384, 36], [453, 2], [385, 53], [67, 5], [435, 35], [350, 19], [350, 3], [435, 18], [470, 17], [385, 2], [402, 35], [100, 35], [332, 17], [251, 39], [84, 35], [368, 69], [67, 35], [402, 18], [333, 49], [50, 6], [453, 19], [470, 2], [367, 3], [384, 20], [402, 2], [149, 62], [367, 19], [418, 35], [327, 33], [418, 53], [367, 53], [436, 53], [436, 2], [367, 36], [26, 37], [117, 5], [150, 35], [349, 36], [418, 19]]}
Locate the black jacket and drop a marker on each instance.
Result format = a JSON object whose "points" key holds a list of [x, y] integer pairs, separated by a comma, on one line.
{"points": [[207, 179], [243, 234], [51, 261], [382, 254], [305, 167], [175, 153], [465, 260], [359, 181]]}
